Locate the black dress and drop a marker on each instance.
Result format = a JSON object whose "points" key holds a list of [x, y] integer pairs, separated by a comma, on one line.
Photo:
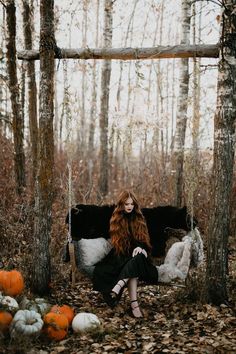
{"points": [[123, 266]]}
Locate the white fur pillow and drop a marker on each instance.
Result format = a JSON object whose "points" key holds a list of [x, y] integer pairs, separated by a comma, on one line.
{"points": [[91, 251], [179, 256]]}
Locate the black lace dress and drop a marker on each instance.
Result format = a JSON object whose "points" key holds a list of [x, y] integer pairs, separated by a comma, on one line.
{"points": [[123, 266]]}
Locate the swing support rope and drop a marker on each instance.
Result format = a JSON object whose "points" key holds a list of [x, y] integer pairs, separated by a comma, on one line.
{"points": [[69, 168], [69, 238]]}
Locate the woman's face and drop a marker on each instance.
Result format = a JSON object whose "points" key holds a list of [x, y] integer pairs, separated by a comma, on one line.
{"points": [[129, 205]]}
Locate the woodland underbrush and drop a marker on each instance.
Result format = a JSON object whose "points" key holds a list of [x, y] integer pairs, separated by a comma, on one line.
{"points": [[176, 320], [153, 186]]}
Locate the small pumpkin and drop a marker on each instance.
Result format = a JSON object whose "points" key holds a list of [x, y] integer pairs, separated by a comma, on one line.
{"points": [[38, 305], [11, 282], [85, 321], [26, 322], [43, 305], [55, 325], [5, 320], [65, 310], [8, 303]]}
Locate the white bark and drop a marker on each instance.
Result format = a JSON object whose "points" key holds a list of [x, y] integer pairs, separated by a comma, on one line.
{"points": [[105, 83], [121, 63], [93, 109], [182, 106]]}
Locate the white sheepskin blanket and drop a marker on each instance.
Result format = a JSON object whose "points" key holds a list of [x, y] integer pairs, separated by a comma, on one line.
{"points": [[91, 251], [180, 256], [177, 262], [88, 252]]}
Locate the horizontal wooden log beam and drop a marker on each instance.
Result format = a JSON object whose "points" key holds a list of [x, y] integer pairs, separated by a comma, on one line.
{"points": [[160, 52]]}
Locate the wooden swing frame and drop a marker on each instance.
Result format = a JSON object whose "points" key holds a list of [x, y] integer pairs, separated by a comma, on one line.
{"points": [[158, 52]]}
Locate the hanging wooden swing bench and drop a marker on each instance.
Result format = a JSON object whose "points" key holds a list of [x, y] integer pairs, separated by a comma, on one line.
{"points": [[74, 270], [177, 260]]}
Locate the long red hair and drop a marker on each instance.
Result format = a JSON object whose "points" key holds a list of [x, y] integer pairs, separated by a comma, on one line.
{"points": [[121, 228]]}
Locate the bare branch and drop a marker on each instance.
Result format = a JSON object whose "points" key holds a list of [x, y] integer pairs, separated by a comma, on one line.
{"points": [[159, 52], [2, 2]]}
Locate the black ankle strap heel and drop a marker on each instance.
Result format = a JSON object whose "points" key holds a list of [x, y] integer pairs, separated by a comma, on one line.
{"points": [[135, 307]]}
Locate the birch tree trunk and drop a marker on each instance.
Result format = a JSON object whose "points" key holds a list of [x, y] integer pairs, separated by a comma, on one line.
{"points": [[196, 87], [138, 66], [93, 109], [105, 83], [159, 91], [4, 106], [32, 89], [22, 91], [129, 75], [128, 138], [44, 183], [84, 86], [131, 19], [17, 124], [151, 66], [66, 114], [224, 148], [182, 106], [158, 88]]}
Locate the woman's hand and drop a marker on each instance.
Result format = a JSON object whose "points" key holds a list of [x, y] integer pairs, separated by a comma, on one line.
{"points": [[138, 250]]}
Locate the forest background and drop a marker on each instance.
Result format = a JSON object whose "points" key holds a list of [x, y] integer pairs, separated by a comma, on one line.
{"points": [[145, 98]]}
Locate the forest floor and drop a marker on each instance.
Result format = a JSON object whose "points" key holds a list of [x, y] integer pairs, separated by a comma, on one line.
{"points": [[174, 321]]}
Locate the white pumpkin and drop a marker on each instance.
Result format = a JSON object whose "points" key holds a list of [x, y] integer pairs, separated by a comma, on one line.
{"points": [[8, 303], [43, 305], [37, 305], [85, 321], [26, 322]]}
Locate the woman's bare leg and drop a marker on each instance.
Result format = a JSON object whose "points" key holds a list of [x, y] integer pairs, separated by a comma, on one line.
{"points": [[120, 285], [132, 288]]}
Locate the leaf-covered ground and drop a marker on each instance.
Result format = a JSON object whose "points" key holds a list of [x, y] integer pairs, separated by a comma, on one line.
{"points": [[170, 325]]}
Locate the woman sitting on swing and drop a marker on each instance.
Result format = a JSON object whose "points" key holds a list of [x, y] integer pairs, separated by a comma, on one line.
{"points": [[128, 261]]}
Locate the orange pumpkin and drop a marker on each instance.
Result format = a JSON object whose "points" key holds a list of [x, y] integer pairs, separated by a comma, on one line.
{"points": [[5, 320], [55, 325], [65, 310], [11, 282]]}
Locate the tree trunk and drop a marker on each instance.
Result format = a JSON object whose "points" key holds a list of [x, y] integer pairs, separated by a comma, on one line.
{"points": [[138, 66], [129, 72], [160, 86], [182, 106], [105, 83], [81, 133], [22, 92], [2, 80], [131, 19], [127, 142], [224, 147], [93, 109], [56, 111], [18, 124], [32, 89], [66, 115], [44, 183], [151, 66]]}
